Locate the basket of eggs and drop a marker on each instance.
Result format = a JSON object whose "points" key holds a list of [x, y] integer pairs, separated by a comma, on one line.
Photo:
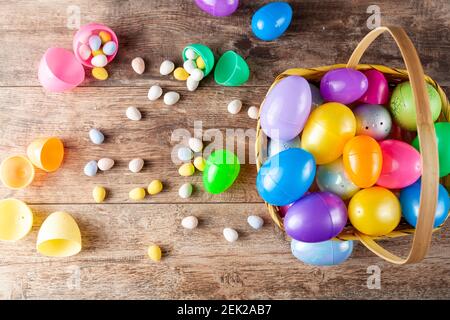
{"points": [[364, 157]]}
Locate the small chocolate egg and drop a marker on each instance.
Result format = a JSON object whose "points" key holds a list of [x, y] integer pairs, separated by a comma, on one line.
{"points": [[373, 120]]}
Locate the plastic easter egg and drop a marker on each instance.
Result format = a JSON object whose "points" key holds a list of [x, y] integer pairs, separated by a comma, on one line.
{"points": [[286, 176], [343, 85], [373, 120], [410, 199], [327, 130], [316, 98], [332, 177], [218, 8], [283, 209], [442, 130], [271, 20], [286, 108], [363, 160], [316, 217], [276, 146], [221, 170], [402, 164], [374, 211], [403, 107], [326, 253], [378, 88]]}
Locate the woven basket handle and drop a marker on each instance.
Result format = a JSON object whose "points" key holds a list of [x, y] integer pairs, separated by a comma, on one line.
{"points": [[428, 146]]}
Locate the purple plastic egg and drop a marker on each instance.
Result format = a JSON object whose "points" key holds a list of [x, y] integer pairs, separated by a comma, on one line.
{"points": [[218, 8], [286, 108], [343, 85], [318, 216]]}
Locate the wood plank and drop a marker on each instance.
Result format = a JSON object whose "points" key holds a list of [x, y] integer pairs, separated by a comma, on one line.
{"points": [[200, 263], [322, 33]]}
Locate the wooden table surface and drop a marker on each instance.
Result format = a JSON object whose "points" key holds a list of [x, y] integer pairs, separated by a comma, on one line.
{"points": [[199, 263]]}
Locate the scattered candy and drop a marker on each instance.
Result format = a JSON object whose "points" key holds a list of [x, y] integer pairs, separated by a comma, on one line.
{"points": [[99, 194], [185, 190], [192, 84], [190, 54], [136, 165], [197, 75], [185, 154], [200, 163], [138, 65], [84, 52], [255, 222], [189, 66], [195, 144], [137, 194], [166, 67], [234, 106], [133, 113], [180, 74], [155, 187], [253, 112], [230, 235], [154, 253], [95, 42], [186, 170], [96, 136], [105, 164], [171, 97], [110, 48], [154, 93], [200, 63], [90, 169], [104, 36], [99, 61], [99, 73], [190, 222]]}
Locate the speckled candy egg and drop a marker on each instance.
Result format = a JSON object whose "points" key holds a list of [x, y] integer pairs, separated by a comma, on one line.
{"points": [[373, 120], [343, 85]]}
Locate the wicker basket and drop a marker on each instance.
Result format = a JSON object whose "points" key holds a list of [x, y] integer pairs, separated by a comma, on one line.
{"points": [[425, 129]]}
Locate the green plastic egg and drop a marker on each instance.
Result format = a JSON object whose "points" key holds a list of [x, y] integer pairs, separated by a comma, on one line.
{"points": [[403, 107], [443, 142], [221, 170]]}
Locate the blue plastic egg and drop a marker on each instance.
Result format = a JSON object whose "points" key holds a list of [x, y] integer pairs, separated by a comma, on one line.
{"points": [[276, 146], [326, 253], [271, 20], [286, 176], [409, 200]]}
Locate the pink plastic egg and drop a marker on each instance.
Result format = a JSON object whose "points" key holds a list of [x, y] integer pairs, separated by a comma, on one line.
{"points": [[378, 88], [401, 165]]}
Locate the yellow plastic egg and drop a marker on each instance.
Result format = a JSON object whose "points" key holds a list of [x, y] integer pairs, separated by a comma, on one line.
{"points": [[180, 74], [154, 253], [155, 187], [100, 73], [200, 163], [186, 170], [374, 211], [137, 194], [97, 52], [200, 63], [105, 36], [99, 194], [327, 130]]}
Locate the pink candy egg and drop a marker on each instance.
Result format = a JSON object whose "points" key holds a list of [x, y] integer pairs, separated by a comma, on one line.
{"points": [[401, 164], [378, 88], [84, 52]]}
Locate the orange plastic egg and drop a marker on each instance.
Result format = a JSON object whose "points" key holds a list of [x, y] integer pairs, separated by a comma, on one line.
{"points": [[363, 160]]}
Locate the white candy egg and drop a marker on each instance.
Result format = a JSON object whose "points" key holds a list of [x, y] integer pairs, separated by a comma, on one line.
{"points": [[138, 65], [230, 234], [185, 154], [105, 164], [255, 222], [234, 106], [133, 113], [190, 54], [190, 222], [166, 67], [154, 93], [197, 74], [195, 144], [185, 191], [189, 66], [136, 165], [171, 97], [99, 61], [253, 112], [191, 84]]}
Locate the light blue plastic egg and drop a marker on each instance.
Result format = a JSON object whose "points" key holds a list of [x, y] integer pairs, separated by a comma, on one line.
{"points": [[109, 48], [276, 146], [332, 177], [271, 20], [326, 253]]}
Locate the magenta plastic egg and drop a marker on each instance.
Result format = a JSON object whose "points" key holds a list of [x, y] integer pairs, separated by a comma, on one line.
{"points": [[378, 88], [286, 108], [401, 165], [343, 85], [218, 8]]}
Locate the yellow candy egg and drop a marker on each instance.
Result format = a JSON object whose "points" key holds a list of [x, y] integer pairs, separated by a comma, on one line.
{"points": [[105, 36], [200, 163], [180, 74], [154, 253], [99, 194], [97, 52], [155, 187], [137, 194], [200, 63], [186, 170], [100, 73]]}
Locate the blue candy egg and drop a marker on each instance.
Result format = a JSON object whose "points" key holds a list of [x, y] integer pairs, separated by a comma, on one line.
{"points": [[409, 200], [271, 20], [286, 176], [326, 253], [110, 48], [90, 169], [276, 146], [95, 42]]}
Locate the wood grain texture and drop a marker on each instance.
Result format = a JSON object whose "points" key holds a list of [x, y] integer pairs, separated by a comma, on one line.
{"points": [[199, 263]]}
